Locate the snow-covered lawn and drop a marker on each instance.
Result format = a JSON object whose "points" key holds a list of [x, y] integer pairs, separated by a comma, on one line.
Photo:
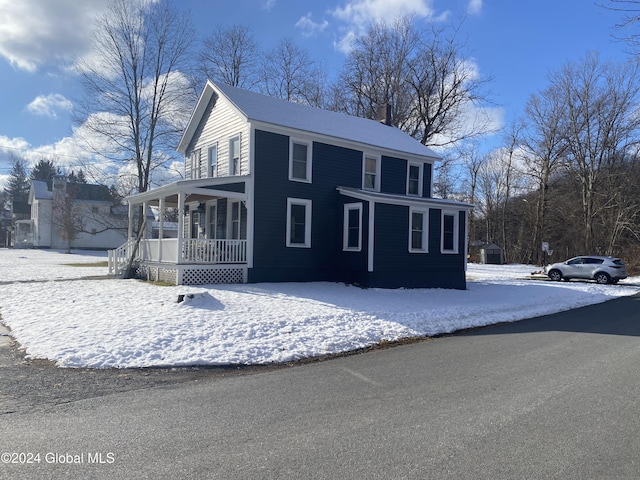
{"points": [[53, 313]]}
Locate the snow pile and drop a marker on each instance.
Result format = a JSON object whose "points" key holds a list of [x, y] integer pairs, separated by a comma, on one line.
{"points": [[127, 323]]}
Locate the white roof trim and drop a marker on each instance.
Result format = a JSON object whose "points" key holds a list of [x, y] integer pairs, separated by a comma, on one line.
{"points": [[394, 199]]}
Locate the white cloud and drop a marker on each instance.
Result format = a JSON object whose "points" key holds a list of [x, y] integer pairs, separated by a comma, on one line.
{"points": [[356, 15], [36, 32], [310, 28], [49, 105], [268, 5], [360, 12], [474, 7]]}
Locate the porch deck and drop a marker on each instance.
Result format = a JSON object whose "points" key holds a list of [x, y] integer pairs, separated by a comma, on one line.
{"points": [[188, 261]]}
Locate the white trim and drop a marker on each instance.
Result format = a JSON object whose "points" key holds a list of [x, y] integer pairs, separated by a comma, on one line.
{"points": [[456, 231], [370, 242], [378, 160], [420, 167], [348, 207], [395, 199], [307, 222], [425, 230], [309, 145]]}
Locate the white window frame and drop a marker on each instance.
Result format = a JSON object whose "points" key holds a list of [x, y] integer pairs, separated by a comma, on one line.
{"points": [[376, 182], [307, 144], [456, 231], [212, 160], [425, 230], [232, 169], [420, 167], [307, 222], [348, 207]]}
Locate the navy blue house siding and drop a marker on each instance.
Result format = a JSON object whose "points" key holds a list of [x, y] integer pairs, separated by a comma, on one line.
{"points": [[273, 260], [395, 266]]}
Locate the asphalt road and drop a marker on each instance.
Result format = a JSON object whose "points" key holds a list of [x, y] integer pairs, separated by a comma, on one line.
{"points": [[553, 397]]}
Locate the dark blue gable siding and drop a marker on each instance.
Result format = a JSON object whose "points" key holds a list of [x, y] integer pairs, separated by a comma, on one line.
{"points": [[331, 166]]}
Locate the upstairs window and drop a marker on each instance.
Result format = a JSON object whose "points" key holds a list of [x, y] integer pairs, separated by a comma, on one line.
{"points": [[300, 161], [414, 179], [449, 233], [213, 161], [371, 173], [196, 167], [234, 156]]}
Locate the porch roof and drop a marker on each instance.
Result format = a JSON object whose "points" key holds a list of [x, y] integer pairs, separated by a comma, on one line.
{"points": [[402, 199], [194, 191]]}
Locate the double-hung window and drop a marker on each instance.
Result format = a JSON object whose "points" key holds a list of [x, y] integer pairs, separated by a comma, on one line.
{"points": [[352, 229], [300, 161], [414, 179], [213, 161], [418, 230], [371, 173], [196, 167], [234, 156], [449, 232], [238, 221], [298, 223]]}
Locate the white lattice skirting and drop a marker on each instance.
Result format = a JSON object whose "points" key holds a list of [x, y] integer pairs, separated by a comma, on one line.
{"points": [[194, 274]]}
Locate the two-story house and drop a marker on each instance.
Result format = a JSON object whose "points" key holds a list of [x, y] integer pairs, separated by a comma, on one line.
{"points": [[276, 191], [97, 223]]}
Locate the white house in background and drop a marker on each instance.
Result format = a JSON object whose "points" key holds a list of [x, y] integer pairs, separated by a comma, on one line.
{"points": [[104, 226]]}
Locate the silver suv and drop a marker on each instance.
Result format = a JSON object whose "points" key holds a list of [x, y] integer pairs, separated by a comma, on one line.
{"points": [[601, 269]]}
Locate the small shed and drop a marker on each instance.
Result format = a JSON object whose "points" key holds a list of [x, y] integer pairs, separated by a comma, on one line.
{"points": [[492, 254]]}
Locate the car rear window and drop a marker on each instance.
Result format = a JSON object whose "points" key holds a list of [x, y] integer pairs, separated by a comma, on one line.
{"points": [[617, 261]]}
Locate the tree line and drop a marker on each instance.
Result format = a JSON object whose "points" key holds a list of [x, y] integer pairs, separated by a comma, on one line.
{"points": [[568, 170]]}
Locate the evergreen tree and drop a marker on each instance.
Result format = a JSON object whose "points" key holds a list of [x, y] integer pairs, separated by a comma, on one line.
{"points": [[45, 170], [18, 185]]}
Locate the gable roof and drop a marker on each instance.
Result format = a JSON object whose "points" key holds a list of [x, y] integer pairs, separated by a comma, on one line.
{"points": [[256, 107], [42, 190]]}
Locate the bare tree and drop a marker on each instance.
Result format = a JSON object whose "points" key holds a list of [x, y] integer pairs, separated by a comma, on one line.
{"points": [[67, 215], [601, 124], [543, 141], [135, 95], [375, 72], [231, 55], [288, 72], [432, 86]]}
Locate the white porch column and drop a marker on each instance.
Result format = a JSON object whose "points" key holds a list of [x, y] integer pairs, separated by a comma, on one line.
{"points": [[145, 213], [181, 199], [161, 228], [130, 231]]}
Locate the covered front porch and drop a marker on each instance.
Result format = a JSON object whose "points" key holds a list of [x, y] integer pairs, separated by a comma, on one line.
{"points": [[210, 244]]}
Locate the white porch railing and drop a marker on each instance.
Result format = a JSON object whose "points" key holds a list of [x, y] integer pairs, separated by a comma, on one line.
{"points": [[214, 251], [119, 258], [166, 251]]}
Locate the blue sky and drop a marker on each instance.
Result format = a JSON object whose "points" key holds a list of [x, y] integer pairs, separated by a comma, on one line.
{"points": [[516, 43]]}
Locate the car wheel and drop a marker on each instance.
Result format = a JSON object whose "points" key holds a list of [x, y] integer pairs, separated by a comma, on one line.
{"points": [[602, 278], [555, 275]]}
